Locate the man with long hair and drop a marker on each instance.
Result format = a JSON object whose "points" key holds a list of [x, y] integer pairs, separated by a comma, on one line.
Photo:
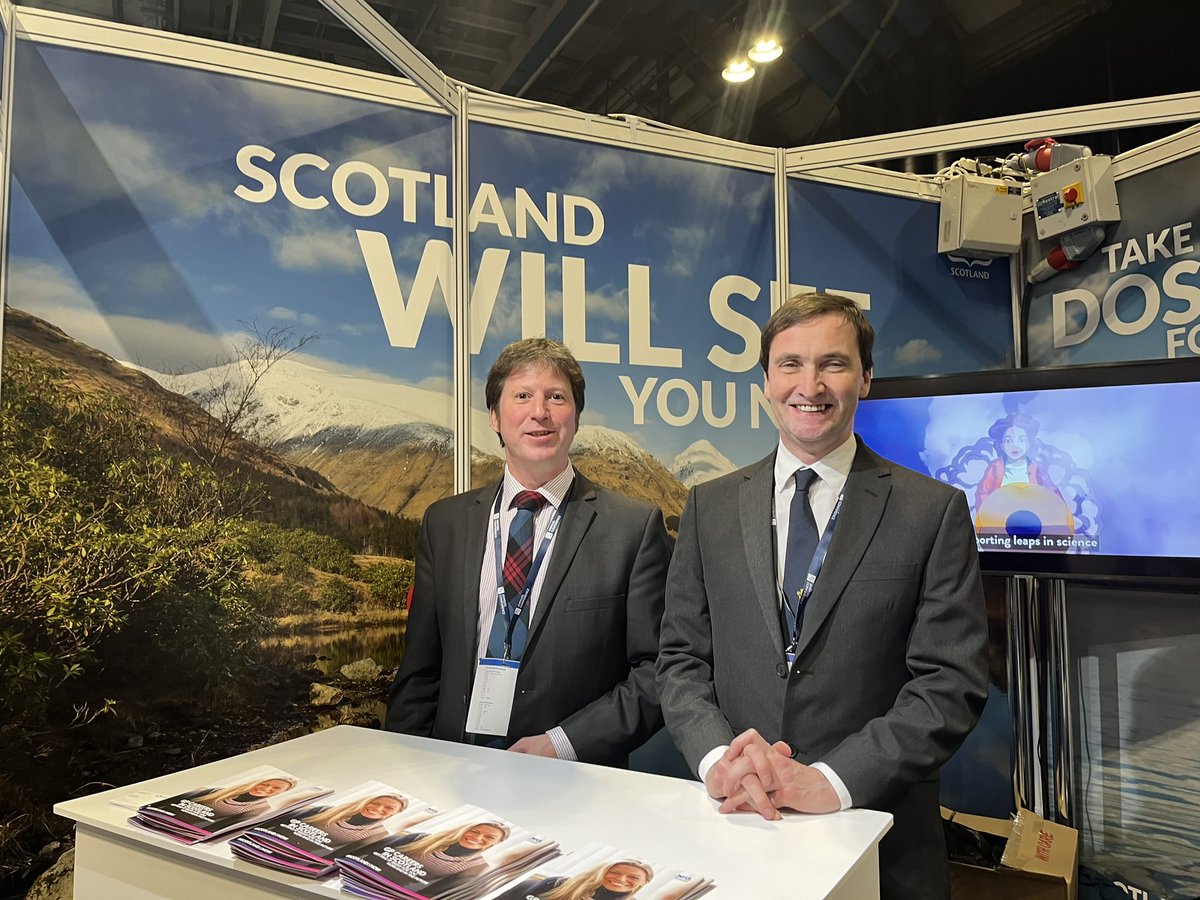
{"points": [[571, 600]]}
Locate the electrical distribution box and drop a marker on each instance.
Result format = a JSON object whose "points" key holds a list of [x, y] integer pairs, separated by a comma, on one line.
{"points": [[980, 217], [1074, 195]]}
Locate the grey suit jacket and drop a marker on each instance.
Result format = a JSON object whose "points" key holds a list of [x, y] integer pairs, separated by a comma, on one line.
{"points": [[588, 665], [891, 669]]}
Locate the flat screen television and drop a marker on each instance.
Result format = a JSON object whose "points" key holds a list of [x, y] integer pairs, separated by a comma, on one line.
{"points": [[1089, 471]]}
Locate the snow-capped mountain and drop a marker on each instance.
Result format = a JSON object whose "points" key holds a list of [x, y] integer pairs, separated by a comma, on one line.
{"points": [[308, 402], [700, 462], [616, 461], [391, 445], [606, 442]]}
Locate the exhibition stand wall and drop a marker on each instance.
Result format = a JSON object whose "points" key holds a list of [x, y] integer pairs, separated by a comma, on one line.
{"points": [[165, 198]]}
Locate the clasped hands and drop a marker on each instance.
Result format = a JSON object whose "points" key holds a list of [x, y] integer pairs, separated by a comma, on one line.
{"points": [[755, 775]]}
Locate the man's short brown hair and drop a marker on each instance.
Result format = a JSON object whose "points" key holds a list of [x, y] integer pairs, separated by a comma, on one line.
{"points": [[805, 307]]}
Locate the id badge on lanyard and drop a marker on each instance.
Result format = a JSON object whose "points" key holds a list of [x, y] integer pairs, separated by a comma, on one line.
{"points": [[492, 696], [495, 683]]}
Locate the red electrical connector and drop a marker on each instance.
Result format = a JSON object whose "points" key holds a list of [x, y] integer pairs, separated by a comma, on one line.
{"points": [[1038, 153]]}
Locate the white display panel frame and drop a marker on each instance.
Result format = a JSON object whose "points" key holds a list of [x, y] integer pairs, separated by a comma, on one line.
{"points": [[841, 163], [6, 91]]}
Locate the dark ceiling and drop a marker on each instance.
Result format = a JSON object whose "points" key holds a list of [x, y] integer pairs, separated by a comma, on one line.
{"points": [[852, 68]]}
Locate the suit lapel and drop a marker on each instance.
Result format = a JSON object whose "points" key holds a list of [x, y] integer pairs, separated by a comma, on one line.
{"points": [[577, 518], [867, 490], [477, 534], [758, 540]]}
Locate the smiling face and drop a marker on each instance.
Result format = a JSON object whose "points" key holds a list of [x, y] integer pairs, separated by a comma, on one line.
{"points": [[270, 787], [622, 878], [536, 420], [381, 807], [481, 837], [814, 381], [1015, 443]]}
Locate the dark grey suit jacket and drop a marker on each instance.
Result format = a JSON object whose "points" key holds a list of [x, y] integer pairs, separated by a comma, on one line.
{"points": [[588, 665], [891, 671]]}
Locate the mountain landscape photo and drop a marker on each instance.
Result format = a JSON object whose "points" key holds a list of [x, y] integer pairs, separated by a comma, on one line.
{"points": [[390, 445], [296, 494]]}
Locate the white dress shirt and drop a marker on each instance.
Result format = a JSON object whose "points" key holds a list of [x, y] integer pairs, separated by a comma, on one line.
{"points": [[555, 491], [832, 471]]}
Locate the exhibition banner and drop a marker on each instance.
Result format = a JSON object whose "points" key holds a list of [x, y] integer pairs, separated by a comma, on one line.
{"points": [[932, 313], [182, 221], [214, 458], [656, 272], [174, 243], [1138, 295]]}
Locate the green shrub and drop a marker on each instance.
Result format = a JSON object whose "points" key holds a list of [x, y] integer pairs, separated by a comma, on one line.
{"points": [[279, 550], [262, 541], [278, 597], [388, 583], [320, 551], [116, 559], [291, 566], [337, 594]]}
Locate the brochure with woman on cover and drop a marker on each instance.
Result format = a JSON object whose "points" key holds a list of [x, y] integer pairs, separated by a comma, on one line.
{"points": [[599, 872], [212, 810], [304, 841], [463, 854]]}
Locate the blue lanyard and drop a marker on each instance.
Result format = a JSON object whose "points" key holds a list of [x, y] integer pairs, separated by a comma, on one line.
{"points": [[513, 613], [814, 569]]}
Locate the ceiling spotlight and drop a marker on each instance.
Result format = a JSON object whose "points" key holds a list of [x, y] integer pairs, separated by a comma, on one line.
{"points": [[766, 50], [737, 71]]}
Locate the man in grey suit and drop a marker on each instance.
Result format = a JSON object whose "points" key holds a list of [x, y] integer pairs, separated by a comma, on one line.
{"points": [[853, 689], [588, 619]]}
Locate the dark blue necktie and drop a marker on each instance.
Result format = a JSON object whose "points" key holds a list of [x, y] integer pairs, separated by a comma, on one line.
{"points": [[518, 559], [801, 544]]}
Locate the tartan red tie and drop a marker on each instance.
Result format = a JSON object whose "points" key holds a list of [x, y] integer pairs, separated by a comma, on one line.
{"points": [[517, 561]]}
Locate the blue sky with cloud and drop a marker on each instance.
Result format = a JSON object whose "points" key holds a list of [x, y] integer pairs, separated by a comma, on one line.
{"points": [[691, 223], [927, 319], [125, 219]]}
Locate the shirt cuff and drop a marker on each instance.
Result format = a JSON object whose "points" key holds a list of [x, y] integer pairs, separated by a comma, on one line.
{"points": [[711, 758], [562, 744], [838, 785]]}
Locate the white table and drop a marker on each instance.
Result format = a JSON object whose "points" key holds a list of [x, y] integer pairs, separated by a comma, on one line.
{"points": [[664, 819]]}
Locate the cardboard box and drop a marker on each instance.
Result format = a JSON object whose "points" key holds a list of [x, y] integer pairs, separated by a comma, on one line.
{"points": [[1040, 862]]}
